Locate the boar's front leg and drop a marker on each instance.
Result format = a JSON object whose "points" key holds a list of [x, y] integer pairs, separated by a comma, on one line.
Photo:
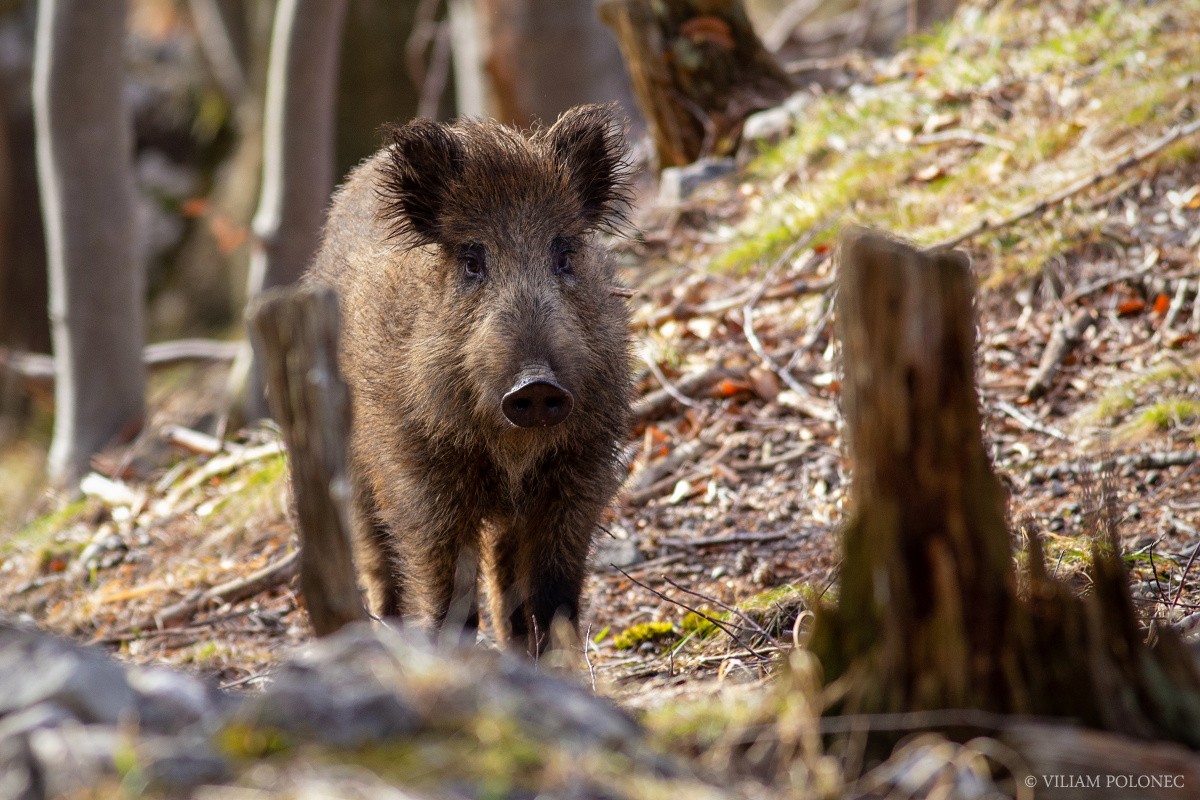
{"points": [[437, 543], [538, 567]]}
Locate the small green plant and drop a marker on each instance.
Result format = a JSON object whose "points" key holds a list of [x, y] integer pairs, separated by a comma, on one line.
{"points": [[636, 635]]}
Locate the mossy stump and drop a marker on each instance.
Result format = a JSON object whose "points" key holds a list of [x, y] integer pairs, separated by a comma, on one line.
{"points": [[697, 69], [929, 617]]}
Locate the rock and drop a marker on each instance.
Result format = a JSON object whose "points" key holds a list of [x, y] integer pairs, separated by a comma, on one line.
{"points": [[37, 670], [20, 778], [73, 721], [770, 127], [613, 552], [350, 705], [677, 184]]}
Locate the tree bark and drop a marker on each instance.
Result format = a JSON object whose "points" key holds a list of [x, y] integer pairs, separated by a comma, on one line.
{"points": [[541, 57], [928, 615], [298, 161], [296, 331], [85, 174], [698, 70]]}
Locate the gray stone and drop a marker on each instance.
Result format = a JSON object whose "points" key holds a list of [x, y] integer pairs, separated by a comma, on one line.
{"points": [[677, 184], [35, 668], [85, 684], [613, 552], [344, 691], [767, 127], [770, 127], [169, 701]]}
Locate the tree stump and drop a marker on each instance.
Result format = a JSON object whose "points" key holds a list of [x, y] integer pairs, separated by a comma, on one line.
{"points": [[297, 331], [929, 616], [698, 70]]}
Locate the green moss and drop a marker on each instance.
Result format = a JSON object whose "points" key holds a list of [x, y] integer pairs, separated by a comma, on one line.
{"points": [[636, 635], [40, 532], [1169, 413], [700, 627], [1121, 399]]}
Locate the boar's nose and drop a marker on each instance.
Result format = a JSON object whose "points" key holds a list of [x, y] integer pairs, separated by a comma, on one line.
{"points": [[537, 401]]}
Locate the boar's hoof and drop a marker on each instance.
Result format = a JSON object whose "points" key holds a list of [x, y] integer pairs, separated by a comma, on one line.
{"points": [[537, 402]]}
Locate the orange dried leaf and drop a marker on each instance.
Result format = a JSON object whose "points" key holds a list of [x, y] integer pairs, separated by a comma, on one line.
{"points": [[1161, 304], [1181, 340], [728, 387], [1129, 307], [657, 435]]}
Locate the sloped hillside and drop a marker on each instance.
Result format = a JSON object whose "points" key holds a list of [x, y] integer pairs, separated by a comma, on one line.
{"points": [[1056, 143]]}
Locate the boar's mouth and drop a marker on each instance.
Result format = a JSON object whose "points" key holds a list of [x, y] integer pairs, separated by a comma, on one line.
{"points": [[537, 399]]}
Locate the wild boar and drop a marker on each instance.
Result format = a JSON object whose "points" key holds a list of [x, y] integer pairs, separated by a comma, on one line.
{"points": [[488, 362]]}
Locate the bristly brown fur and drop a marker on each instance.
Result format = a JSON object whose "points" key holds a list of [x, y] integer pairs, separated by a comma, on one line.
{"points": [[444, 486], [435, 173]]}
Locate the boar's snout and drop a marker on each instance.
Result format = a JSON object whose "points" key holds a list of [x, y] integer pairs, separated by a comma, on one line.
{"points": [[537, 400]]}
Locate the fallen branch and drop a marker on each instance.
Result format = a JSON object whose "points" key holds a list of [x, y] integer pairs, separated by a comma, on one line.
{"points": [[788, 289], [668, 387], [192, 441], [659, 488], [233, 591], [733, 538], [222, 464], [1103, 283], [1078, 187], [667, 465], [654, 404], [1137, 461], [1029, 422], [39, 369], [1066, 335]]}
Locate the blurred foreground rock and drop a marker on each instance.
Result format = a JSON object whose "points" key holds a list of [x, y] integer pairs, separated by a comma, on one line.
{"points": [[362, 713]]}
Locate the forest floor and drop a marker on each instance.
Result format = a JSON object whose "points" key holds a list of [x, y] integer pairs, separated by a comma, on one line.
{"points": [[1036, 136]]}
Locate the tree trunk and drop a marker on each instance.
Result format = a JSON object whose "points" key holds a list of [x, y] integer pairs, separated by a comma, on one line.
{"points": [[544, 56], [296, 332], [85, 174], [297, 160], [469, 89], [698, 70], [928, 615]]}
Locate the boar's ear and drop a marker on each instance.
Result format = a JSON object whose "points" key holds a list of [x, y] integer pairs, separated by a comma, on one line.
{"points": [[588, 144], [424, 159]]}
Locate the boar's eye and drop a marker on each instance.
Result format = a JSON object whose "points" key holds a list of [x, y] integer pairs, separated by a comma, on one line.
{"points": [[564, 252], [473, 264]]}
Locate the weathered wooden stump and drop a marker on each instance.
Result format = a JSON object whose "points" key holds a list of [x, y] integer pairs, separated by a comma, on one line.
{"points": [[698, 70], [296, 330], [929, 617]]}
